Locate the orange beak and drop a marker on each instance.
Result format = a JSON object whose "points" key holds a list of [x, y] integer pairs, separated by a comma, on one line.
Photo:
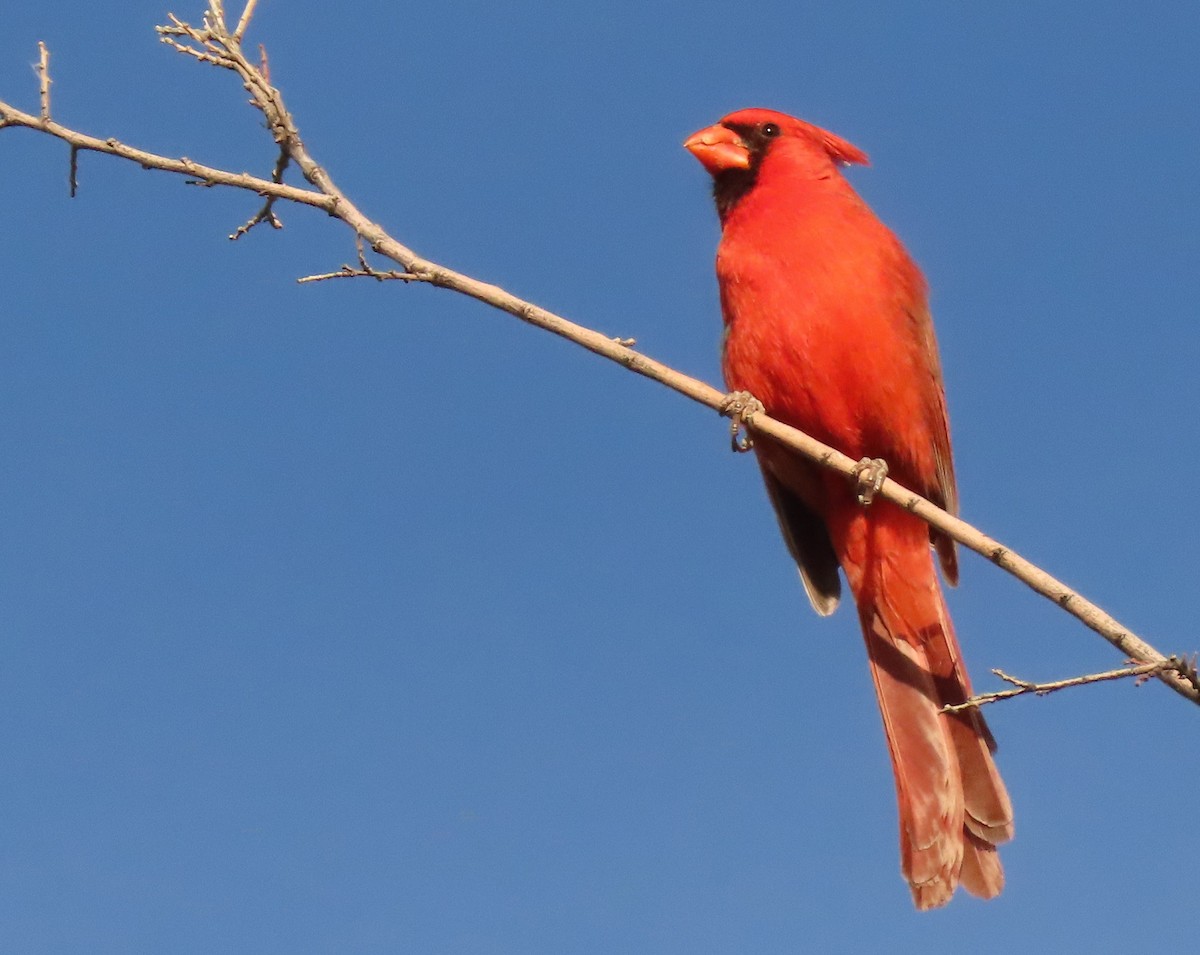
{"points": [[718, 148]]}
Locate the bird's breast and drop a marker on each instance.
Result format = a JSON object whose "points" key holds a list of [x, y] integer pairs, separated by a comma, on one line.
{"points": [[786, 344]]}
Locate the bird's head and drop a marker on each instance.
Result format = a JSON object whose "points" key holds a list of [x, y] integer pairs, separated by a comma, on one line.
{"points": [[751, 142]]}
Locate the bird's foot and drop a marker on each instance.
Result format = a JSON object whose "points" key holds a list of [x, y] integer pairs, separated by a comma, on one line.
{"points": [[869, 475], [740, 406]]}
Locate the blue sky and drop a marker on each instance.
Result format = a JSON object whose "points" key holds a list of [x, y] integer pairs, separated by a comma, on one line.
{"points": [[360, 618]]}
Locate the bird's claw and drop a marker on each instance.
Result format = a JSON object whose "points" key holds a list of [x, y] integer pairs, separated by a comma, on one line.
{"points": [[740, 406], [869, 475]]}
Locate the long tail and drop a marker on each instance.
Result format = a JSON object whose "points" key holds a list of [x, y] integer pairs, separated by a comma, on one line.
{"points": [[954, 809]]}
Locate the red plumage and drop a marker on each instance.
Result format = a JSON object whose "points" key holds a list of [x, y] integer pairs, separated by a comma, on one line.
{"points": [[827, 324]]}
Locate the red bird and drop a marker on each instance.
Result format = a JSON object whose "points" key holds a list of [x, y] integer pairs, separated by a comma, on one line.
{"points": [[827, 324]]}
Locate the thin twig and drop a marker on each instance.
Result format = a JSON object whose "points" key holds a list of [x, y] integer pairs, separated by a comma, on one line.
{"points": [[43, 72], [217, 46], [365, 270], [240, 30], [350, 272], [207, 48], [267, 212], [1141, 671]]}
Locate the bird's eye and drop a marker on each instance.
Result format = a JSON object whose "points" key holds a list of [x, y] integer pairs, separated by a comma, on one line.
{"points": [[770, 130]]}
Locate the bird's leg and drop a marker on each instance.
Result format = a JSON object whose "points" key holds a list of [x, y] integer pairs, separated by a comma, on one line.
{"points": [[740, 406], [869, 475]]}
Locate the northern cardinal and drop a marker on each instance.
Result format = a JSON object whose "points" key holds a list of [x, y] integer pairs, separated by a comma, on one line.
{"points": [[827, 324]]}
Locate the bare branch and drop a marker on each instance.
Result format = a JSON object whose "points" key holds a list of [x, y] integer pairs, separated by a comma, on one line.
{"points": [[214, 44], [204, 175], [1183, 667]]}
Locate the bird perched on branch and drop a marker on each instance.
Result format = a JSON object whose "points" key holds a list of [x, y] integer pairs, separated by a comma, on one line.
{"points": [[827, 325]]}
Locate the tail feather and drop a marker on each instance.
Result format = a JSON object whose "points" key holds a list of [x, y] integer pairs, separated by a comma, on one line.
{"points": [[953, 806], [924, 766], [989, 814], [982, 874]]}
